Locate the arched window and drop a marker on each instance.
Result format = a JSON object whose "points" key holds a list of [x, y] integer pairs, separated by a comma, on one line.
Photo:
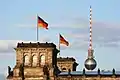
{"points": [[26, 60], [42, 60], [64, 69], [34, 60]]}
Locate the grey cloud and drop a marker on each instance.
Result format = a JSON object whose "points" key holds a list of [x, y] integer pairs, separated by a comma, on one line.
{"points": [[103, 32], [107, 36], [111, 44], [78, 29], [7, 46], [79, 45]]}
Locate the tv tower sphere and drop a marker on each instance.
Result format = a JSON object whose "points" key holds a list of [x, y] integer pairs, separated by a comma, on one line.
{"points": [[90, 64]]}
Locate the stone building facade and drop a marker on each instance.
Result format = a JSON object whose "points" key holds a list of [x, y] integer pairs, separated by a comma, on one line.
{"points": [[38, 61], [35, 61], [65, 64]]}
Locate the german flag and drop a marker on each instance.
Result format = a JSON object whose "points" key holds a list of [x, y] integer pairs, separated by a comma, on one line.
{"points": [[42, 23], [63, 41]]}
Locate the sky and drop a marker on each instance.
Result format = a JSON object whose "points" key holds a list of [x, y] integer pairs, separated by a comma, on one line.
{"points": [[70, 18]]}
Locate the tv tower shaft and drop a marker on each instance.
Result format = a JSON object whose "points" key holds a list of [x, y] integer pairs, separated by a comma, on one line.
{"points": [[90, 50]]}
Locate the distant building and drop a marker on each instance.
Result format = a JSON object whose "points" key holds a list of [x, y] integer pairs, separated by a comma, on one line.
{"points": [[38, 61], [65, 64]]}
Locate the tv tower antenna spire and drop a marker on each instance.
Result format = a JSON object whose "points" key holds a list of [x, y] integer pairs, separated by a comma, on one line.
{"points": [[90, 50], [90, 62]]}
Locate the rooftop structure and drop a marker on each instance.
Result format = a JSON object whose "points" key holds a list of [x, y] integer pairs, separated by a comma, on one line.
{"points": [[65, 64]]}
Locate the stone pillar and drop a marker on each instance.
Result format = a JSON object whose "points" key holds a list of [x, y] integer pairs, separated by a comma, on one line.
{"points": [[38, 58], [31, 59]]}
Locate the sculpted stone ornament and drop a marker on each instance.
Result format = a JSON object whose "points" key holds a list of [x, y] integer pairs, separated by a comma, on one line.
{"points": [[21, 73], [9, 70], [45, 70], [20, 70]]}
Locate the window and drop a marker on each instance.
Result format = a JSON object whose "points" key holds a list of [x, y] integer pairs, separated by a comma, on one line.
{"points": [[64, 69], [34, 60], [42, 60], [26, 58]]}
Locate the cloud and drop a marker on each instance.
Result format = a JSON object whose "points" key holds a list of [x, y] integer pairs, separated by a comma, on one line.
{"points": [[107, 35], [79, 45], [77, 28], [112, 44], [69, 25], [103, 32], [61, 23], [7, 46], [80, 36]]}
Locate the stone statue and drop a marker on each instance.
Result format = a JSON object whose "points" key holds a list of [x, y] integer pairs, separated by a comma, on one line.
{"points": [[45, 70], [9, 70], [21, 73]]}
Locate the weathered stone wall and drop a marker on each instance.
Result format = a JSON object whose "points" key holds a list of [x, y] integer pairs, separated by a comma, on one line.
{"points": [[47, 52], [37, 71], [66, 64], [33, 72]]}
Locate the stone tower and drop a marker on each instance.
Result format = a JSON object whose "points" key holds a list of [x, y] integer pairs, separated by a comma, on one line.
{"points": [[66, 64], [34, 61]]}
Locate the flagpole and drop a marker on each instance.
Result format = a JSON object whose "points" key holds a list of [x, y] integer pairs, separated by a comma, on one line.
{"points": [[59, 44], [37, 28]]}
